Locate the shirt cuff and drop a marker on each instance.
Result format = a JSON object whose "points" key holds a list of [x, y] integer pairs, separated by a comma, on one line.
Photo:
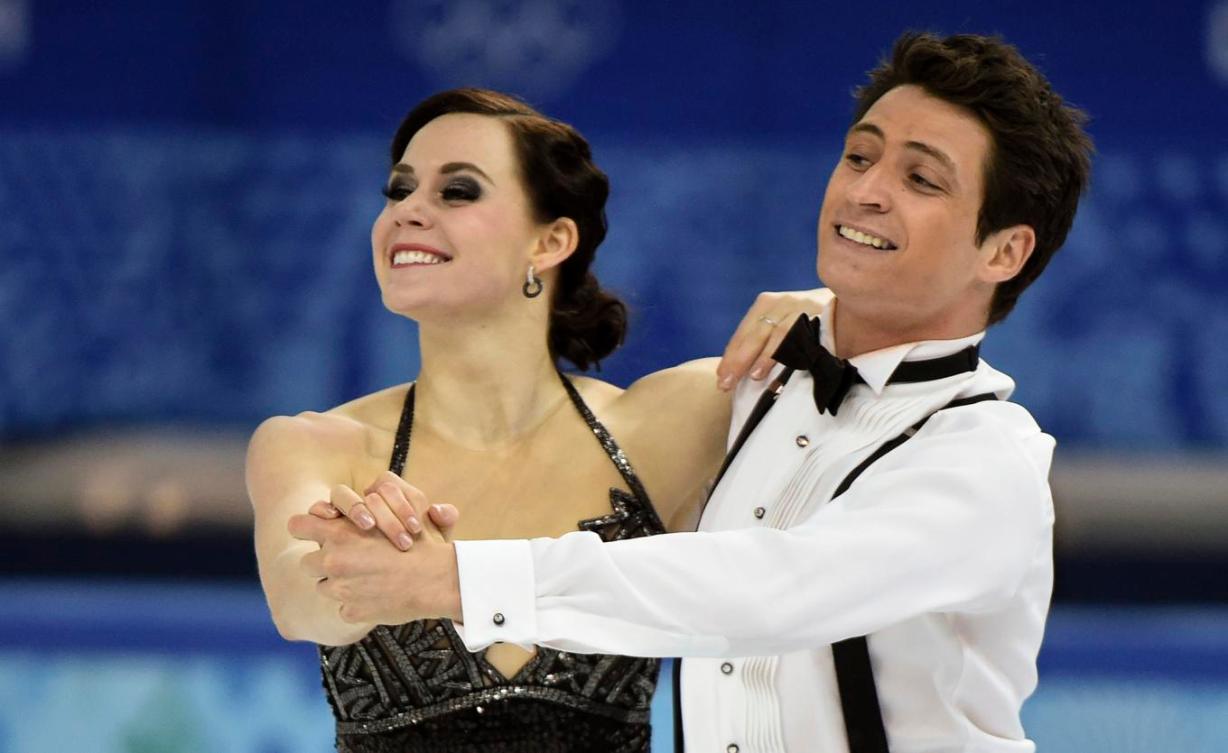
{"points": [[498, 593]]}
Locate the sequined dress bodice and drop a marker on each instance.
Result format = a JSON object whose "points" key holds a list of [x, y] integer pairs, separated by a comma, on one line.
{"points": [[414, 687]]}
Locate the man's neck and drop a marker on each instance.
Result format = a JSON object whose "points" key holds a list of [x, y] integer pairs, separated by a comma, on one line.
{"points": [[854, 334]]}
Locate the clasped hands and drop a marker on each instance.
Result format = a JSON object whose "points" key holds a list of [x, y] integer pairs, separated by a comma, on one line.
{"points": [[385, 555]]}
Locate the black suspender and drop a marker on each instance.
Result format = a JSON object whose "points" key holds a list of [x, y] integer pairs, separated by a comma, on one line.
{"points": [[863, 717], [765, 402]]}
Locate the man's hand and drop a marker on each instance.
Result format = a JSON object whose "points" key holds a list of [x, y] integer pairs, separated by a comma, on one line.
{"points": [[392, 505], [761, 330], [373, 582]]}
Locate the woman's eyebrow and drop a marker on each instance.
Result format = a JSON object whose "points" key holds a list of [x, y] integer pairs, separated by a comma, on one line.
{"points": [[453, 167], [446, 169]]}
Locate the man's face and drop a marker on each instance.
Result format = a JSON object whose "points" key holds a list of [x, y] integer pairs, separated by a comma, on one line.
{"points": [[897, 229]]}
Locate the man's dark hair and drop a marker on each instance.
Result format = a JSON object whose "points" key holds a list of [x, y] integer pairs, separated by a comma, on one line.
{"points": [[1040, 156]]}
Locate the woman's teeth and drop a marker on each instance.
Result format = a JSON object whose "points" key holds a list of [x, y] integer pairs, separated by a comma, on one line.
{"points": [[416, 257]]}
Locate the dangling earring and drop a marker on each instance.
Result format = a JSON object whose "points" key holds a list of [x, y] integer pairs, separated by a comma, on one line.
{"points": [[532, 284]]}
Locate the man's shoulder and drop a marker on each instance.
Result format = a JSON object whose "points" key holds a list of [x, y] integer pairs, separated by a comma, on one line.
{"points": [[990, 436], [1002, 412]]}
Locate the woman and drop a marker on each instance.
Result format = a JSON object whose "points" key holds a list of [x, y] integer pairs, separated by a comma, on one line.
{"points": [[493, 216]]}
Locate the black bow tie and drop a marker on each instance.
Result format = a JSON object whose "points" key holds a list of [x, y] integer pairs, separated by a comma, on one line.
{"points": [[834, 377]]}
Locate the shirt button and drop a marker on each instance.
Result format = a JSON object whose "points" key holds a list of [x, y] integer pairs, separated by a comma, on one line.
{"points": [[498, 618], [760, 512], [727, 668], [802, 440], [731, 748]]}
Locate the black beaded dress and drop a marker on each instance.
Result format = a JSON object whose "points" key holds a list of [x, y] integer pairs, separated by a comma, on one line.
{"points": [[414, 687]]}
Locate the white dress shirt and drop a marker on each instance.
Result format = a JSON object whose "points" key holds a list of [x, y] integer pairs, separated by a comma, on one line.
{"points": [[941, 552]]}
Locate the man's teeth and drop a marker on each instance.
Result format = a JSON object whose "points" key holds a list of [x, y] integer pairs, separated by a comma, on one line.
{"points": [[417, 257], [862, 238]]}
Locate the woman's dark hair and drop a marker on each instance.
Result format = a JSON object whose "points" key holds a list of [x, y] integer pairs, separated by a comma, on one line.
{"points": [[1040, 156], [557, 169]]}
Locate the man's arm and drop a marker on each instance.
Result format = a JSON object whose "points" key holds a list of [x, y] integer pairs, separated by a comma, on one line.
{"points": [[952, 520]]}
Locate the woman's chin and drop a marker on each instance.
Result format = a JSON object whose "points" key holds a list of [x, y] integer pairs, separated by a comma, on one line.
{"points": [[414, 309], [432, 306]]}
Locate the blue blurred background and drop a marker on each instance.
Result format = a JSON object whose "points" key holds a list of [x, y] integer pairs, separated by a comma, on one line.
{"points": [[186, 192]]}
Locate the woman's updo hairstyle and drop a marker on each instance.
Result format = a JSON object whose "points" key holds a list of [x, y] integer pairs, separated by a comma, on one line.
{"points": [[556, 166]]}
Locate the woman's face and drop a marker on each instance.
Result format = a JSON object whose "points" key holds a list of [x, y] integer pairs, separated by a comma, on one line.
{"points": [[456, 233]]}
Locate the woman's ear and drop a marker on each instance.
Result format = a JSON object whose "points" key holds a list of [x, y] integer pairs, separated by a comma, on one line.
{"points": [[1005, 252], [558, 241]]}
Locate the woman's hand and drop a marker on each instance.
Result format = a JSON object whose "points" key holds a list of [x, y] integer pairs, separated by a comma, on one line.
{"points": [[761, 330], [372, 583], [391, 504]]}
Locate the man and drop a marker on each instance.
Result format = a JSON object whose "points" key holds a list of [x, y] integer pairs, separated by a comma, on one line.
{"points": [[888, 491]]}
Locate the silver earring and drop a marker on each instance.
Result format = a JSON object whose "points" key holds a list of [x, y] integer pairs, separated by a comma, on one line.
{"points": [[532, 284]]}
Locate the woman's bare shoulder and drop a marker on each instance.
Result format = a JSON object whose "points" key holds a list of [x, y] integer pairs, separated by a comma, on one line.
{"points": [[341, 432], [686, 389], [597, 394], [380, 410]]}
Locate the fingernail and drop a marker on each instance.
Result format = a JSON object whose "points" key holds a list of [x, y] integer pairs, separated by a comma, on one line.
{"points": [[758, 373], [404, 540], [726, 382], [437, 509], [365, 520], [413, 525]]}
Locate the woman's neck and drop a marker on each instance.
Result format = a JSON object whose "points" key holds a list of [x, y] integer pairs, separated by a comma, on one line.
{"points": [[485, 386]]}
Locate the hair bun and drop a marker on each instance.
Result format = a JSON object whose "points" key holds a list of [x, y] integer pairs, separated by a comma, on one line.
{"points": [[587, 323]]}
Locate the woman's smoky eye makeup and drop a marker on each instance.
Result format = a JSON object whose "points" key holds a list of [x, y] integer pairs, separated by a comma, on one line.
{"points": [[397, 189], [461, 188]]}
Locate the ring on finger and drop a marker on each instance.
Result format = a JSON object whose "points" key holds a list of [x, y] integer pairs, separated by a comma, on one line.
{"points": [[769, 321]]}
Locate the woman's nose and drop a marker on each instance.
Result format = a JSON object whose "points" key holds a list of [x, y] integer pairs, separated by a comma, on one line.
{"points": [[411, 211]]}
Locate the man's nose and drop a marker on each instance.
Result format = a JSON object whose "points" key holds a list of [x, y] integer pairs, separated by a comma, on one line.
{"points": [[871, 189]]}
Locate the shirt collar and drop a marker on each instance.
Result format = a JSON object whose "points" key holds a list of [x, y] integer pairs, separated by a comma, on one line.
{"points": [[877, 366]]}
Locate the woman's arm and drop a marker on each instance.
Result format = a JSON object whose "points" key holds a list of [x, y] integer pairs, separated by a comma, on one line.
{"points": [[293, 462], [672, 425]]}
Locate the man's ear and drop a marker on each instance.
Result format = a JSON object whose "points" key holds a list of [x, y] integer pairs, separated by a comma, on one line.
{"points": [[1005, 252], [557, 241]]}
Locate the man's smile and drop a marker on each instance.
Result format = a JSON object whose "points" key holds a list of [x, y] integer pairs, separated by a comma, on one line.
{"points": [[865, 238]]}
